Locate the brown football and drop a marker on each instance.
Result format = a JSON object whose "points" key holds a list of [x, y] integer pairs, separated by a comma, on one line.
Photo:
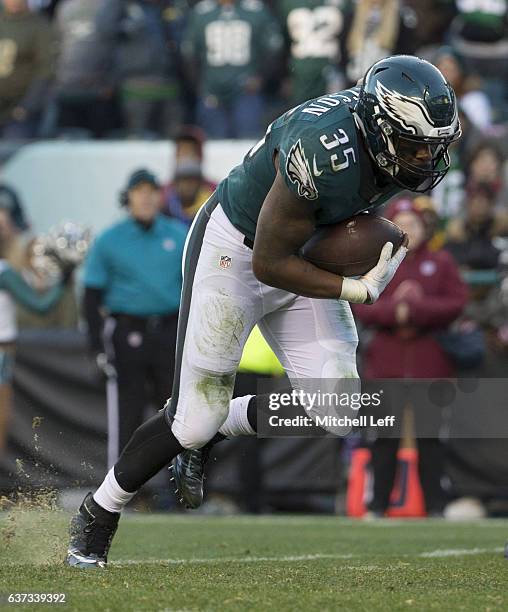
{"points": [[351, 247]]}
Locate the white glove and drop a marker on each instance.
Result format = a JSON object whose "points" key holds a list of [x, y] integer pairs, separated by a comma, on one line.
{"points": [[369, 287]]}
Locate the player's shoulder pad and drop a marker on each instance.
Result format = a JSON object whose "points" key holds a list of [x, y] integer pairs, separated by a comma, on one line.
{"points": [[310, 160], [296, 168], [253, 6], [205, 6]]}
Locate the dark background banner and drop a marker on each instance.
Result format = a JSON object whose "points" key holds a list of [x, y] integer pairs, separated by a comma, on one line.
{"points": [[58, 430], [58, 437]]}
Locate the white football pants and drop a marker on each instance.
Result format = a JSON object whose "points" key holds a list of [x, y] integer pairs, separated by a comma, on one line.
{"points": [[313, 339]]}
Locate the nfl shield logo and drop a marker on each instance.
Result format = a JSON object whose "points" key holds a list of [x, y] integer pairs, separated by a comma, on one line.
{"points": [[225, 261]]}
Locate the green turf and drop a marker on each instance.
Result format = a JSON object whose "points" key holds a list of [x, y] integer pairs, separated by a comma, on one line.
{"points": [[267, 563]]}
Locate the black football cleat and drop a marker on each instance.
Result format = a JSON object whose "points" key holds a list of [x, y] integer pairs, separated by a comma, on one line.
{"points": [[188, 473], [91, 532]]}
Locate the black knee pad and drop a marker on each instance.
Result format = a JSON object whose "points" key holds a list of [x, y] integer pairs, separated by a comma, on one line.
{"points": [[151, 447]]}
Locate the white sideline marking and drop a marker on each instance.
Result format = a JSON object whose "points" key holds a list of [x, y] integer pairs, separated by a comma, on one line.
{"points": [[252, 559], [447, 552], [452, 552], [458, 552], [304, 521]]}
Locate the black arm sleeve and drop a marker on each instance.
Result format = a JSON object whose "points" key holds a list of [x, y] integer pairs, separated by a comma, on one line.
{"points": [[92, 301]]}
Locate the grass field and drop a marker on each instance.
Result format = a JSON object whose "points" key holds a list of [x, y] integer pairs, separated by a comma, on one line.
{"points": [[280, 563]]}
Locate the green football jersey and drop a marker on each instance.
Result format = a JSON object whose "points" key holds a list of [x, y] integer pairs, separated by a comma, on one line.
{"points": [[488, 13], [322, 159], [313, 31], [231, 43]]}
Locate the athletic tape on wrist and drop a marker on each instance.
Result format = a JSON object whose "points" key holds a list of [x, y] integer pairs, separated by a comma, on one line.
{"points": [[353, 291]]}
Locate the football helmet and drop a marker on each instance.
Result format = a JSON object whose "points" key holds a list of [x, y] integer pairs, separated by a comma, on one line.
{"points": [[408, 115]]}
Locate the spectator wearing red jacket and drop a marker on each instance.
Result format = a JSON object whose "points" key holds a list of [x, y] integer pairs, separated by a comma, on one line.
{"points": [[424, 297]]}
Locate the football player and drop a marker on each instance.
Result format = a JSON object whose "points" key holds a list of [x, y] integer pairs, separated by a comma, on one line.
{"points": [[328, 159]]}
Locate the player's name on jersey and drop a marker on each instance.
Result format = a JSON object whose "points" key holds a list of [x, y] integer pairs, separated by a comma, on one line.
{"points": [[324, 104], [328, 421]]}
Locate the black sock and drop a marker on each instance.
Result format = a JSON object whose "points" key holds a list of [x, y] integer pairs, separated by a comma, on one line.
{"points": [[252, 411], [261, 403], [257, 403], [151, 447]]}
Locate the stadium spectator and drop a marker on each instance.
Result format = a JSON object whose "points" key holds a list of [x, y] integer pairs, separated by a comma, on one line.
{"points": [[478, 240], [485, 165], [18, 253], [63, 315], [14, 290], [189, 189], [470, 237], [474, 103], [431, 20], [314, 34], [479, 34], [434, 231], [425, 296], [26, 68], [231, 47], [13, 224], [449, 194], [474, 239], [85, 78], [373, 35], [148, 68], [133, 274], [189, 144]]}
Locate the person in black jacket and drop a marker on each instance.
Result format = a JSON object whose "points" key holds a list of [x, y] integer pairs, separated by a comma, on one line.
{"points": [[26, 67], [470, 238]]}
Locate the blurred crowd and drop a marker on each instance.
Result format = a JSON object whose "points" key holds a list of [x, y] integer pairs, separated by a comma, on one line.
{"points": [[142, 68], [188, 72]]}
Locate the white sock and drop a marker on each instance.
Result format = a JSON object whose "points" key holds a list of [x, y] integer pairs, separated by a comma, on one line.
{"points": [[237, 423], [110, 494]]}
